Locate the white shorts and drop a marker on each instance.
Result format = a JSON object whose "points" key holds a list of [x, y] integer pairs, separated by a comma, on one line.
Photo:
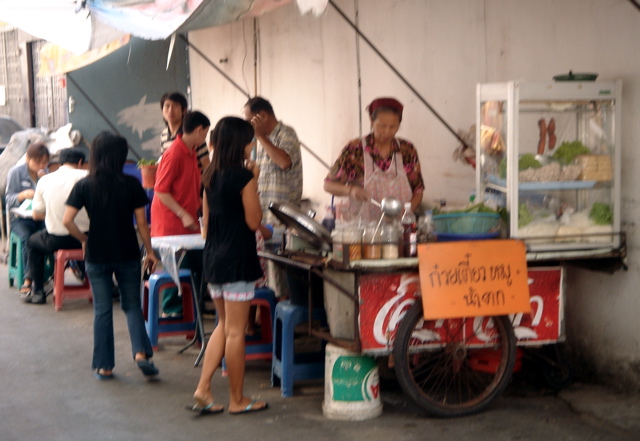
{"points": [[234, 292]]}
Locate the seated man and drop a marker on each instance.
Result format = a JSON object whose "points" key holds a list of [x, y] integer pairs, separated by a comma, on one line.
{"points": [[21, 184], [48, 204]]}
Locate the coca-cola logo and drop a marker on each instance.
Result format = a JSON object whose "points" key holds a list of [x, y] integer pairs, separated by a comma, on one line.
{"points": [[394, 309]]}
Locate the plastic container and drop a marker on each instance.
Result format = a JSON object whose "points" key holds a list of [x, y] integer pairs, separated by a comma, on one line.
{"points": [[453, 237], [425, 227], [390, 241], [352, 242], [466, 223], [372, 242], [352, 385], [337, 239]]}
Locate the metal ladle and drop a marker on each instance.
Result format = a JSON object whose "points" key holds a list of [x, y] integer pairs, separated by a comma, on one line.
{"points": [[389, 205]]}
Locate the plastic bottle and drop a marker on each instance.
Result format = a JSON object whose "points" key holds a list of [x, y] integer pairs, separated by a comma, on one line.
{"points": [[409, 232], [329, 219]]}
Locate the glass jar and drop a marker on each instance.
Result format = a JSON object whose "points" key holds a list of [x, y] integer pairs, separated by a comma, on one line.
{"points": [[372, 242], [352, 241], [390, 241]]}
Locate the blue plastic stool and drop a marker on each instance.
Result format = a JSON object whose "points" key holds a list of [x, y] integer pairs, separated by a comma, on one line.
{"points": [[260, 347], [14, 263], [157, 326], [287, 366]]}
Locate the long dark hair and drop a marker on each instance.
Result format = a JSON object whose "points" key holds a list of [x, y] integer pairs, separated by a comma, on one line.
{"points": [[106, 160], [229, 138]]}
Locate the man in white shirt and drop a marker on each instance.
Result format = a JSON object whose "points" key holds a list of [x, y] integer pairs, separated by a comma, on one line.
{"points": [[48, 204]]}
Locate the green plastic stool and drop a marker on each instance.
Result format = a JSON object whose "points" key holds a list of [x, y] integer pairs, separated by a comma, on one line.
{"points": [[16, 271]]}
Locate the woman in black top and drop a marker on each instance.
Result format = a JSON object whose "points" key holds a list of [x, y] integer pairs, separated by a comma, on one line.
{"points": [[231, 213], [111, 198]]}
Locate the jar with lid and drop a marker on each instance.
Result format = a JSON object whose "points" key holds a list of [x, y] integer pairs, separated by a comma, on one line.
{"points": [[352, 241], [372, 242], [390, 241]]}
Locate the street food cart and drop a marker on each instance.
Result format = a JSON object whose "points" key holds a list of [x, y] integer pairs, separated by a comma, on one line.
{"points": [[448, 366], [558, 190]]}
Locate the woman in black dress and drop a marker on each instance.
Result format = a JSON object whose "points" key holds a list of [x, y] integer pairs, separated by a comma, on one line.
{"points": [[231, 214]]}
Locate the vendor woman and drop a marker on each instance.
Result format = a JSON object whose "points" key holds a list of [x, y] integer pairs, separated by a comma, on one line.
{"points": [[378, 165]]}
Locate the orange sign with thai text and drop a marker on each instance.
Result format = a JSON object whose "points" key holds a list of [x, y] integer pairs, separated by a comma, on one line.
{"points": [[473, 278]]}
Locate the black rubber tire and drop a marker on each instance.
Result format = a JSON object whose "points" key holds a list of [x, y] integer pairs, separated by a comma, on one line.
{"points": [[556, 369], [450, 380]]}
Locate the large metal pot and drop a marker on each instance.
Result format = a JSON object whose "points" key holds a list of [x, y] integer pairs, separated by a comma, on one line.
{"points": [[305, 227]]}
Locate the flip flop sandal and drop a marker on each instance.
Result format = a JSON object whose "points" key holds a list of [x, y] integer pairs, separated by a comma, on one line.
{"points": [[250, 408], [148, 368], [207, 410], [102, 377], [25, 291]]}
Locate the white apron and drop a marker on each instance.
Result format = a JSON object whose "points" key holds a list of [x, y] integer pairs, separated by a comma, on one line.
{"points": [[380, 184]]}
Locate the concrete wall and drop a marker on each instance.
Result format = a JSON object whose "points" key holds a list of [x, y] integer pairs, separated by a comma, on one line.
{"points": [[310, 69]]}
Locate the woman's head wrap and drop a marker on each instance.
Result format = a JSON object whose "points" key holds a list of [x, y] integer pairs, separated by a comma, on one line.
{"points": [[391, 103]]}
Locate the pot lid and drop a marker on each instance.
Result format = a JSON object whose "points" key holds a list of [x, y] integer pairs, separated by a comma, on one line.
{"points": [[307, 228]]}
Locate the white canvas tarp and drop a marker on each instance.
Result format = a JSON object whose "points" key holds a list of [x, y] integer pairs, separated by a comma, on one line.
{"points": [[80, 26]]}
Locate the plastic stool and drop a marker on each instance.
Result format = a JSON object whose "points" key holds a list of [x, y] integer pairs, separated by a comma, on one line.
{"points": [[16, 271], [14, 263], [287, 366], [157, 326], [62, 291], [260, 347]]}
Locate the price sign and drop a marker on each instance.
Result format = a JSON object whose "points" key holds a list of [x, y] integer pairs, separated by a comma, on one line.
{"points": [[473, 278]]}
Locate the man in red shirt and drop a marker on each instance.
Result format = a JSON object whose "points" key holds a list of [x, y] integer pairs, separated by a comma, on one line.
{"points": [[176, 202], [174, 210]]}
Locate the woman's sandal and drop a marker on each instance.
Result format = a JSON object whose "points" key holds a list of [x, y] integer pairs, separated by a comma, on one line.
{"points": [[25, 291]]}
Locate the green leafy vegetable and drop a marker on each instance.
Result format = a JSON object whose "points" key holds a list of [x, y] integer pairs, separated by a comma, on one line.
{"points": [[567, 152], [525, 161], [528, 160], [601, 214], [524, 215], [475, 208]]}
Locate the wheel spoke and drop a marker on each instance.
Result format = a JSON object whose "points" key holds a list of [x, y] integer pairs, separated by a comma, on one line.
{"points": [[448, 367]]}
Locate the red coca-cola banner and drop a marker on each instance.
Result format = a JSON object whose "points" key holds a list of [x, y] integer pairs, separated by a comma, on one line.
{"points": [[385, 298]]}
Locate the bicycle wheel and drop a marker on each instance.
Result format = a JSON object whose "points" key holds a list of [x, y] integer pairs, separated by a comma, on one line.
{"points": [[453, 367]]}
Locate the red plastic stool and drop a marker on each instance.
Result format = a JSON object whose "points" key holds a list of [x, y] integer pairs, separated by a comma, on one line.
{"points": [[62, 291]]}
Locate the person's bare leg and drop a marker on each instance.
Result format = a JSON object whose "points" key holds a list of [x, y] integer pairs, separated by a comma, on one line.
{"points": [[212, 358], [237, 318]]}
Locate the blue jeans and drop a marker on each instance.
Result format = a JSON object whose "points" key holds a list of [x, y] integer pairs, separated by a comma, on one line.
{"points": [[128, 276], [24, 228]]}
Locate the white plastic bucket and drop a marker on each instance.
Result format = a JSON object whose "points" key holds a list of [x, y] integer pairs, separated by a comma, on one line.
{"points": [[351, 385]]}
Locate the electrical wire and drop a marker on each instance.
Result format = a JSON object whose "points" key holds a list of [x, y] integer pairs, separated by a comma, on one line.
{"points": [[399, 75]]}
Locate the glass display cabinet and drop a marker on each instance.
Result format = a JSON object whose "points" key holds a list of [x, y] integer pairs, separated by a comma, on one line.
{"points": [[549, 155]]}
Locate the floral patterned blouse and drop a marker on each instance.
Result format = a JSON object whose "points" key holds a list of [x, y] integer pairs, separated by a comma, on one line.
{"points": [[349, 167]]}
